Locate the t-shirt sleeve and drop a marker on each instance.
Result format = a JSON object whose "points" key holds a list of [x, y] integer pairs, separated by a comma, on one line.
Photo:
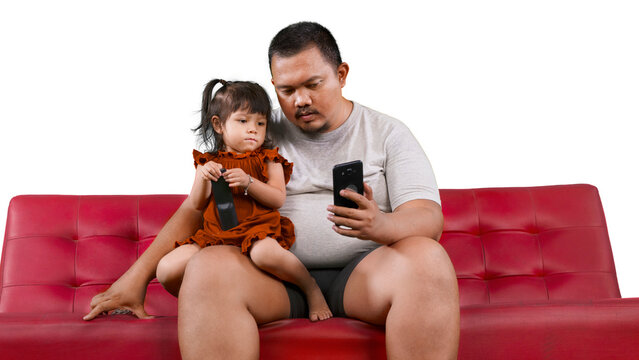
{"points": [[409, 174], [273, 155]]}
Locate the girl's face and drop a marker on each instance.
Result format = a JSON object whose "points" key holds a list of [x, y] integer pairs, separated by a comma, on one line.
{"points": [[242, 131]]}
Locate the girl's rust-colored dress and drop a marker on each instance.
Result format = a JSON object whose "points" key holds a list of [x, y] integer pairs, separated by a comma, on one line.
{"points": [[256, 221]]}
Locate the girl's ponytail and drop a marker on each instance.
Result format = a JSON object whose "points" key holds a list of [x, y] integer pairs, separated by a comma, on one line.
{"points": [[205, 130], [207, 96]]}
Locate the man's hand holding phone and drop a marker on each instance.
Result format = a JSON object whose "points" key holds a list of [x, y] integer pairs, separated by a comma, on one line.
{"points": [[365, 222]]}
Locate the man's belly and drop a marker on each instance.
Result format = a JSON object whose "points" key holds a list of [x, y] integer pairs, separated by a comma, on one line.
{"points": [[316, 244]]}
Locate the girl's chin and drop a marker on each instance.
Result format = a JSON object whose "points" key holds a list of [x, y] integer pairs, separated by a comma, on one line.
{"points": [[244, 149]]}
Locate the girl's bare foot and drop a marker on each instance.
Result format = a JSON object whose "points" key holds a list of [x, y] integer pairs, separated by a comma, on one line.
{"points": [[317, 307]]}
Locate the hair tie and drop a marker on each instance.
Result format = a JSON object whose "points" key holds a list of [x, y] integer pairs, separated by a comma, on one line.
{"points": [[223, 82]]}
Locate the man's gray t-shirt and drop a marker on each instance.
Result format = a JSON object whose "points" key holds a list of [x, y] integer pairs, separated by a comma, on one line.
{"points": [[395, 166]]}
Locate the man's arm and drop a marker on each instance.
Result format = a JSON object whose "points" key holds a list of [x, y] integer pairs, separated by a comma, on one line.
{"points": [[412, 218], [129, 290], [416, 218]]}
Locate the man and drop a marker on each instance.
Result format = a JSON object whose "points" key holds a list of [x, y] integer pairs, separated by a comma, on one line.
{"points": [[391, 270]]}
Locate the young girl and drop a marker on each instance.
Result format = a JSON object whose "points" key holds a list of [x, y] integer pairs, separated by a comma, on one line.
{"points": [[234, 122]]}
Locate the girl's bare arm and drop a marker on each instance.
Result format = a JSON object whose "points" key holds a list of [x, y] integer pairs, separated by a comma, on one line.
{"points": [[271, 194]]}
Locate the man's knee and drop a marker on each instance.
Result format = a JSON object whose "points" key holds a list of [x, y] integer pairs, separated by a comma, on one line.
{"points": [[426, 256]]}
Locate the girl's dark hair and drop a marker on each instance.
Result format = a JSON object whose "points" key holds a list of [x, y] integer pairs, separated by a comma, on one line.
{"points": [[231, 97]]}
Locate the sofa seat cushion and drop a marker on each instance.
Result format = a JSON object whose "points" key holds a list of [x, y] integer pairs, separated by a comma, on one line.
{"points": [[601, 329], [67, 336]]}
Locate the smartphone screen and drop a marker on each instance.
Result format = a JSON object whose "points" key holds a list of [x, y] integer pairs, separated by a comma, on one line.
{"points": [[347, 175]]}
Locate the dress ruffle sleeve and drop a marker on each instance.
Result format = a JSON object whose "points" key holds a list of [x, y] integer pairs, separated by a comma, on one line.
{"points": [[274, 155], [201, 158]]}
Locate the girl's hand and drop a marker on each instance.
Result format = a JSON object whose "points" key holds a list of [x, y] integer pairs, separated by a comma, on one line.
{"points": [[209, 171], [236, 177]]}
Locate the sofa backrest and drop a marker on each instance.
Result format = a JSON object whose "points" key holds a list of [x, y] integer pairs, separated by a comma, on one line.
{"points": [[529, 244], [526, 245], [61, 250]]}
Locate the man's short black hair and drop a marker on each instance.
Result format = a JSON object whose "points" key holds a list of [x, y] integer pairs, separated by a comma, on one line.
{"points": [[297, 37]]}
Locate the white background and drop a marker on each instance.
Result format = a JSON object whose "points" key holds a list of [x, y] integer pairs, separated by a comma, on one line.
{"points": [[98, 98]]}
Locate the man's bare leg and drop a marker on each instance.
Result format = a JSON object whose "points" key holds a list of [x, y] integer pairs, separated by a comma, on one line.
{"points": [[411, 287], [223, 298], [269, 256]]}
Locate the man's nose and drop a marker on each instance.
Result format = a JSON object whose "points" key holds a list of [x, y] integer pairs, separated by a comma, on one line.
{"points": [[302, 99]]}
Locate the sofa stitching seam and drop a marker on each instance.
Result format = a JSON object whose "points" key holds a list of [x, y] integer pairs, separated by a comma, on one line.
{"points": [[541, 254], [65, 285], [75, 256], [563, 228], [467, 277], [137, 243], [481, 242]]}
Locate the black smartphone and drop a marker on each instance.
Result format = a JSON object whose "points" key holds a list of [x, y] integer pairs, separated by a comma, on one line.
{"points": [[224, 201], [347, 175]]}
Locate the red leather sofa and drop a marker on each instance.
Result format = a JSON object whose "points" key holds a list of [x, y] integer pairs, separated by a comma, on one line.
{"points": [[536, 277]]}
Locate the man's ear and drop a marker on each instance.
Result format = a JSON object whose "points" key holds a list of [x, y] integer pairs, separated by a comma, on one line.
{"points": [[217, 124], [342, 73]]}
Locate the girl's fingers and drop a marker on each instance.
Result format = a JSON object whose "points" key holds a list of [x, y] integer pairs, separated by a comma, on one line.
{"points": [[214, 173]]}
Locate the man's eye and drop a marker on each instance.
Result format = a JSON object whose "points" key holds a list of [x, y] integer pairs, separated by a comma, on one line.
{"points": [[313, 85], [287, 91]]}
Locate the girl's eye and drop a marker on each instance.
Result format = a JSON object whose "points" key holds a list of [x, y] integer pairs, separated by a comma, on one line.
{"points": [[261, 123], [243, 121]]}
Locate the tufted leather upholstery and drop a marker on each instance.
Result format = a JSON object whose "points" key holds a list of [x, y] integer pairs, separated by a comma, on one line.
{"points": [[529, 245], [530, 262], [66, 249]]}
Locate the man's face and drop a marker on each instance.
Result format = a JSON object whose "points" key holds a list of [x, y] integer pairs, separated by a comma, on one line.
{"points": [[309, 89]]}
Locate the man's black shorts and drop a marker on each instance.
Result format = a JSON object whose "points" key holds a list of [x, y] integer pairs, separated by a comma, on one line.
{"points": [[332, 282]]}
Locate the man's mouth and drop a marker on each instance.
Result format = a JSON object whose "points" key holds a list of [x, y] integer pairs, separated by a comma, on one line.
{"points": [[306, 116]]}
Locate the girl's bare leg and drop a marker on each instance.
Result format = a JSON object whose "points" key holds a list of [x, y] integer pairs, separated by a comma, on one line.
{"points": [[269, 256], [171, 267], [223, 298]]}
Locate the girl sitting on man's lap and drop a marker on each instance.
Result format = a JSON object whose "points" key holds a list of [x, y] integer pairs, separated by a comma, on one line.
{"points": [[233, 124]]}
